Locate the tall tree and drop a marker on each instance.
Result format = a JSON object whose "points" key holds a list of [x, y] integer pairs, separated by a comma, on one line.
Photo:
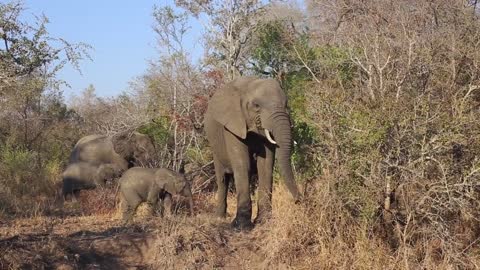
{"points": [[228, 30]]}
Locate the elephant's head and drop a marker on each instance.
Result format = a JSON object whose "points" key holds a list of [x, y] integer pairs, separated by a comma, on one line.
{"points": [[257, 105], [135, 147], [175, 184], [108, 172]]}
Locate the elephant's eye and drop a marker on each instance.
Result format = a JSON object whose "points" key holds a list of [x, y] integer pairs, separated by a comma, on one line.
{"points": [[256, 106]]}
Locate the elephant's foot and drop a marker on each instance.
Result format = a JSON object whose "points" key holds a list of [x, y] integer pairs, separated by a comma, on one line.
{"points": [[242, 224]]}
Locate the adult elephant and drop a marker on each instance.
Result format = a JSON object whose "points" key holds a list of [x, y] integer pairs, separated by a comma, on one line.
{"points": [[246, 123], [120, 151]]}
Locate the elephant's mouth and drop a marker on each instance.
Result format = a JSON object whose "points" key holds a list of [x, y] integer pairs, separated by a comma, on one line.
{"points": [[267, 133], [258, 122]]}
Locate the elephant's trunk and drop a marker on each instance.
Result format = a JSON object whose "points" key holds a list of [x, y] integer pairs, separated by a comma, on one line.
{"points": [[283, 136]]}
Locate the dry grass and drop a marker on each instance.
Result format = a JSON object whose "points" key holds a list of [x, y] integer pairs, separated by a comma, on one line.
{"points": [[317, 234], [99, 201], [321, 234]]}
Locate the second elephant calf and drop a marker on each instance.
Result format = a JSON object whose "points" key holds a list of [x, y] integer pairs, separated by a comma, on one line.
{"points": [[83, 175], [151, 185]]}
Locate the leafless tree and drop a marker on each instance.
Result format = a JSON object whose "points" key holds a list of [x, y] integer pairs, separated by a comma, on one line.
{"points": [[228, 27]]}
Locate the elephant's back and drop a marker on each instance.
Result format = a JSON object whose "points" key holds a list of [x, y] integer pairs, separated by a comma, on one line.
{"points": [[90, 138], [168, 174], [137, 174], [95, 149], [79, 169]]}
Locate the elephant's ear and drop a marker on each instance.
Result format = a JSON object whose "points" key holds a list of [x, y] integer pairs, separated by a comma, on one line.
{"points": [[122, 144], [168, 181], [172, 187], [225, 108]]}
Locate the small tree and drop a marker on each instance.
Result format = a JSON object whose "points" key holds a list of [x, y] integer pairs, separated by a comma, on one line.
{"points": [[29, 60]]}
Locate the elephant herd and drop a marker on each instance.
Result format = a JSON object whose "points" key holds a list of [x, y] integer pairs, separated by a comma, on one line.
{"points": [[246, 125]]}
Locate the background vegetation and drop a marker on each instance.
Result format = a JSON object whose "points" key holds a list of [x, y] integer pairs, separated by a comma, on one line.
{"points": [[384, 97]]}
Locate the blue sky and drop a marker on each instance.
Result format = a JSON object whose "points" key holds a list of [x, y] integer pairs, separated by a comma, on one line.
{"points": [[120, 32]]}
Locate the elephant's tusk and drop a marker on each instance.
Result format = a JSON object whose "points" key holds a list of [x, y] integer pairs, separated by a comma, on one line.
{"points": [[269, 138]]}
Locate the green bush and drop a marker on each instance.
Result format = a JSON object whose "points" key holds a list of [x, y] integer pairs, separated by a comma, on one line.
{"points": [[158, 130], [335, 63], [28, 186], [16, 169]]}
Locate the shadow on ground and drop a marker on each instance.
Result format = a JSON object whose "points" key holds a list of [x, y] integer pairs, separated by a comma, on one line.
{"points": [[114, 248]]}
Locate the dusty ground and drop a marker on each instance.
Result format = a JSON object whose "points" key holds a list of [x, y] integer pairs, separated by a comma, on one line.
{"points": [[101, 242]]}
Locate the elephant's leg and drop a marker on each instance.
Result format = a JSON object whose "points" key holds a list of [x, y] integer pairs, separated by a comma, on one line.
{"points": [[265, 180], [239, 157], [75, 195], [132, 201], [160, 207], [222, 189], [123, 207], [167, 204], [66, 190], [152, 200]]}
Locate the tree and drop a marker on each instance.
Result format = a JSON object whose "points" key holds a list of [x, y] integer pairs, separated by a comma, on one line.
{"points": [[175, 90], [36, 128], [228, 30], [29, 61]]}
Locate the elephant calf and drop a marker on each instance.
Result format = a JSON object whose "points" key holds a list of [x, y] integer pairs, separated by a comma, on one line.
{"points": [[154, 186], [83, 175]]}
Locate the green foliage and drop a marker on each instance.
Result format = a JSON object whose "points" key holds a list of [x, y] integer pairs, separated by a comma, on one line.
{"points": [[278, 46], [295, 84], [16, 161], [198, 156], [158, 130], [16, 171], [335, 60], [53, 170], [36, 127], [362, 131], [281, 51], [306, 160], [271, 50], [29, 48]]}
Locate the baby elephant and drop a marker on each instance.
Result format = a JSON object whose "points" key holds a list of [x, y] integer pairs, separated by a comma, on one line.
{"points": [[83, 175], [154, 186]]}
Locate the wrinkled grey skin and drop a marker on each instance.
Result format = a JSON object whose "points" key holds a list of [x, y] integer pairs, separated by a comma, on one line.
{"points": [[83, 175], [154, 186], [121, 151], [235, 123]]}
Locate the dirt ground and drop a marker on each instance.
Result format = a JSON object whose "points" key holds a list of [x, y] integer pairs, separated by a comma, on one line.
{"points": [[101, 242]]}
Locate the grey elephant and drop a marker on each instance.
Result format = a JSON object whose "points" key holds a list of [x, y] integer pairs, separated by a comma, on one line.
{"points": [[120, 151], [83, 175], [246, 123], [154, 186]]}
